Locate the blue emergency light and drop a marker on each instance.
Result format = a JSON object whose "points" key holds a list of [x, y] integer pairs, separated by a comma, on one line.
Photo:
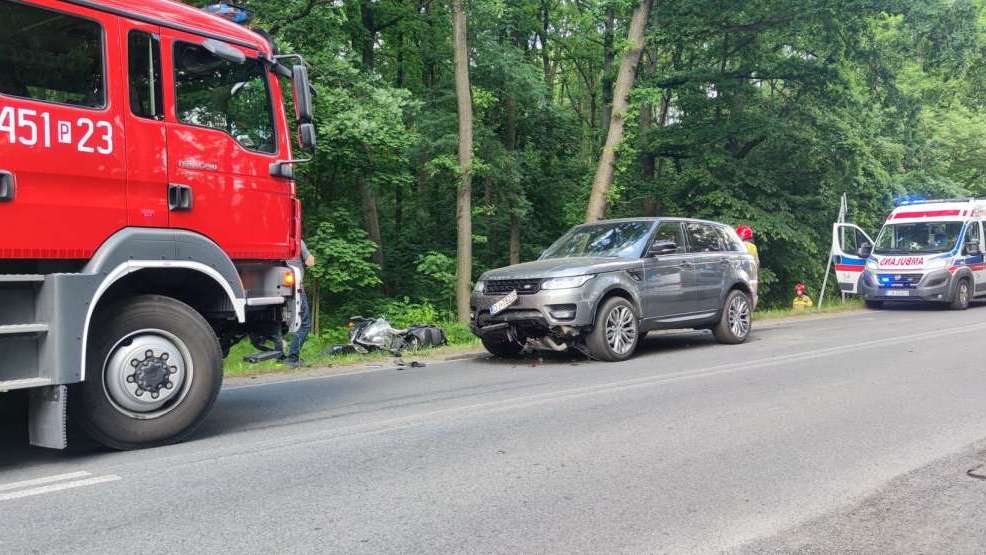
{"points": [[908, 199], [232, 12]]}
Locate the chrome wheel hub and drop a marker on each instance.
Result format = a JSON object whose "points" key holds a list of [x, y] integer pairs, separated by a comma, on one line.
{"points": [[738, 316], [621, 330], [147, 373]]}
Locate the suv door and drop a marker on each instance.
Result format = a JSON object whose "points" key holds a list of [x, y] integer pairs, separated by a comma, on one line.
{"points": [[711, 263], [62, 165], [667, 287], [222, 141]]}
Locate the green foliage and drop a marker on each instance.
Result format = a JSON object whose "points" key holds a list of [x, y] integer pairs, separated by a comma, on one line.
{"points": [[762, 112], [344, 255]]}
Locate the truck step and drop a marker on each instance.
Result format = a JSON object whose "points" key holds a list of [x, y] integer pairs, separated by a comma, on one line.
{"points": [[23, 329], [22, 278], [12, 385]]}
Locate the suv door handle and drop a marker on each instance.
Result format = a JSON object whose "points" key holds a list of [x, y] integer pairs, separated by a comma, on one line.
{"points": [[180, 198], [687, 265], [8, 186], [724, 262]]}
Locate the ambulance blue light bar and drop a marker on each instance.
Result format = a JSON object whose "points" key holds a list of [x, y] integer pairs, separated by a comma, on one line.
{"points": [[909, 199], [232, 12]]}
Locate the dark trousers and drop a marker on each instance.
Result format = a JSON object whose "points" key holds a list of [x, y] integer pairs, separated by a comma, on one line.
{"points": [[306, 327]]}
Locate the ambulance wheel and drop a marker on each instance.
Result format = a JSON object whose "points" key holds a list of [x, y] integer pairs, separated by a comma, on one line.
{"points": [[874, 305], [962, 295], [153, 370]]}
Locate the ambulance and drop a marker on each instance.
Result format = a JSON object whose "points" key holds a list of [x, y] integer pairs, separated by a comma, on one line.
{"points": [[927, 251]]}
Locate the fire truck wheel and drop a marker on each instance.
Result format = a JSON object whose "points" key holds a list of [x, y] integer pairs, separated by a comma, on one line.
{"points": [[153, 371], [962, 295]]}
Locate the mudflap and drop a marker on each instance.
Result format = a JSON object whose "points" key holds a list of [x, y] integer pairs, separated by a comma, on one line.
{"points": [[48, 414]]}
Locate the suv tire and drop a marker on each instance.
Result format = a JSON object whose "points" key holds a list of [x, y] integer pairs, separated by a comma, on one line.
{"points": [[736, 320], [962, 295], [616, 333], [504, 348]]}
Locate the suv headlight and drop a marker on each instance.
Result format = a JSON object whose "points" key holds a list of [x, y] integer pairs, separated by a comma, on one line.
{"points": [[479, 287], [566, 282]]}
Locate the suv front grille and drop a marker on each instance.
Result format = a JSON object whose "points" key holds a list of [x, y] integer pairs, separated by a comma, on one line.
{"points": [[899, 281], [504, 286]]}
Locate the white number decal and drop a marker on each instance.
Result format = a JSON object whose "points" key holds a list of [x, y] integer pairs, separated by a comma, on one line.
{"points": [[7, 124], [86, 135], [28, 128], [107, 138], [24, 123]]}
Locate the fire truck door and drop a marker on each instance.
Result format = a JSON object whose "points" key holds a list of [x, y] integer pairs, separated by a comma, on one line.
{"points": [[147, 147], [222, 141]]}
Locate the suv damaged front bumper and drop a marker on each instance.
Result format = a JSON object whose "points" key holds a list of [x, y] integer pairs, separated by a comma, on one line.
{"points": [[562, 310]]}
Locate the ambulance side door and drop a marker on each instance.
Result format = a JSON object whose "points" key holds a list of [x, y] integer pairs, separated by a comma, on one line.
{"points": [[976, 262], [849, 265]]}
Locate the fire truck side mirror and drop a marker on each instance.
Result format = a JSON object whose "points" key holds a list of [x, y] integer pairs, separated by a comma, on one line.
{"points": [[303, 95], [306, 136]]}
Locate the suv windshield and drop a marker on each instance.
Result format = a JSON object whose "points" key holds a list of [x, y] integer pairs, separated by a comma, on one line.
{"points": [[922, 237], [617, 239]]}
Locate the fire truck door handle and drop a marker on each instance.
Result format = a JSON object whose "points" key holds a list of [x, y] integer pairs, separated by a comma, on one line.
{"points": [[8, 186], [180, 198]]}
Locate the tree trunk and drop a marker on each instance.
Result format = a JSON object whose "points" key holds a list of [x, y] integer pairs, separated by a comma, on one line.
{"points": [[372, 218], [621, 91], [609, 54], [514, 239], [463, 213]]}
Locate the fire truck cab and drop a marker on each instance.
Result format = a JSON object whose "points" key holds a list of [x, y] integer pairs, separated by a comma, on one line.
{"points": [[148, 210]]}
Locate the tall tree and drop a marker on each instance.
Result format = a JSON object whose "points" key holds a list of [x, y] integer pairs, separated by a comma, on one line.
{"points": [[621, 92], [463, 211]]}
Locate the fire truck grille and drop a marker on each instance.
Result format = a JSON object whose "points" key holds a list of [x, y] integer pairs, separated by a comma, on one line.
{"points": [[504, 286], [899, 281]]}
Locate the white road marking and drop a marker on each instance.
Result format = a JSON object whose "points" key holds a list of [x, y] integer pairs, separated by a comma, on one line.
{"points": [[52, 488], [42, 481]]}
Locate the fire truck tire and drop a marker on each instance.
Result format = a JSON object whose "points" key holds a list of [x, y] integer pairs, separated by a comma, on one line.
{"points": [[154, 369], [962, 295]]}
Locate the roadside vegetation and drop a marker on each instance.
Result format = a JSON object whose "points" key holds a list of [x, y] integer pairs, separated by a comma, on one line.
{"points": [[458, 136]]}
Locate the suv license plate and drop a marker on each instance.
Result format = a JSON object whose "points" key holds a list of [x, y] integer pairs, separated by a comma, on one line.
{"points": [[897, 293], [503, 303]]}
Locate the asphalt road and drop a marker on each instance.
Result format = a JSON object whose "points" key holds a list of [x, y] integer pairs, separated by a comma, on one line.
{"points": [[863, 432]]}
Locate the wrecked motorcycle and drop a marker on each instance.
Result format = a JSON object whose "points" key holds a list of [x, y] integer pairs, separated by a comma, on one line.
{"points": [[376, 334]]}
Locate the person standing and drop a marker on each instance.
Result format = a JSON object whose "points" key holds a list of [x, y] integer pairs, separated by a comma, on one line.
{"points": [[745, 233], [305, 260]]}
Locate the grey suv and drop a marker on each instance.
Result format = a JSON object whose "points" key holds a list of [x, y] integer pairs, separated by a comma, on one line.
{"points": [[602, 286]]}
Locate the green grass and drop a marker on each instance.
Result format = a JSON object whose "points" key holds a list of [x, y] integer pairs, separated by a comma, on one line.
{"points": [[830, 307], [461, 340], [459, 336]]}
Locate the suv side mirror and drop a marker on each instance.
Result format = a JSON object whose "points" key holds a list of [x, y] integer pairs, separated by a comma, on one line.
{"points": [[660, 248], [865, 250], [973, 249]]}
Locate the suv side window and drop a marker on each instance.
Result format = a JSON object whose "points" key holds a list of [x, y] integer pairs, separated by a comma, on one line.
{"points": [[146, 98], [670, 231], [703, 238], [234, 98], [51, 56], [732, 241]]}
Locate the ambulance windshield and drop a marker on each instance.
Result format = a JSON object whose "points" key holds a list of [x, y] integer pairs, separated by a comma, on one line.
{"points": [[918, 238]]}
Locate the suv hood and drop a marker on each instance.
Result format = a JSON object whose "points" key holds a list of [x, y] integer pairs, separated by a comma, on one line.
{"points": [[561, 267]]}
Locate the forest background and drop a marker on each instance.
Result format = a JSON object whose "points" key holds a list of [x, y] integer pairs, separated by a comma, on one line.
{"points": [[761, 112]]}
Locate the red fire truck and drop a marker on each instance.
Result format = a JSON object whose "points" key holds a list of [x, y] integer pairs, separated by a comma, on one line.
{"points": [[147, 210]]}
